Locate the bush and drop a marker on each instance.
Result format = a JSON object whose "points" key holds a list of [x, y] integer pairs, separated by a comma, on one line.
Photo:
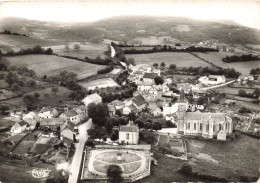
{"points": [[105, 70], [165, 150], [90, 143], [186, 169]]}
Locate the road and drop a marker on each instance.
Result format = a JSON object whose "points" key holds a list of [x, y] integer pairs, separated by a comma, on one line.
{"points": [[77, 158]]}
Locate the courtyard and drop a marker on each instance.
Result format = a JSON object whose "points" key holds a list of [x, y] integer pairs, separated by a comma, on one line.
{"points": [[134, 163]]}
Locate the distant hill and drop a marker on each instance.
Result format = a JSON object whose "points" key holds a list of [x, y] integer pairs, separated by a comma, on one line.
{"points": [[129, 27]]}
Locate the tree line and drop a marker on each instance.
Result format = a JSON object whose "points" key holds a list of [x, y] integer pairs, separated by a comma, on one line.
{"points": [[241, 58], [13, 33], [35, 50], [168, 48]]}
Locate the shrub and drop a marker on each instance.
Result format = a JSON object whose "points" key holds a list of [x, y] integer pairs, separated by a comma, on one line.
{"points": [[186, 169], [105, 70]]}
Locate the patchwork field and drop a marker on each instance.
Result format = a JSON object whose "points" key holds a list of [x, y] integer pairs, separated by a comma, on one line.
{"points": [[100, 83], [179, 59], [229, 160], [14, 42], [215, 57], [52, 65]]}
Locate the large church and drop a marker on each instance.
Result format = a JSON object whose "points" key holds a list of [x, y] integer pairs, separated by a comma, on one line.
{"points": [[205, 124]]}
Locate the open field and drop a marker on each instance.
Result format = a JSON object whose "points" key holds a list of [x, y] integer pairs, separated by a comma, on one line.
{"points": [[47, 97], [179, 59], [153, 40], [234, 91], [215, 57], [229, 160], [86, 50], [100, 83], [52, 65], [14, 42]]}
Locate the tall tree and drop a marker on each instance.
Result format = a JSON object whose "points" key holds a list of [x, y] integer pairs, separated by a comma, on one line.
{"points": [[11, 78]]}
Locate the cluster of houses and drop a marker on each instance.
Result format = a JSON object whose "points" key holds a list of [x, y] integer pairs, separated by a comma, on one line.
{"points": [[63, 121]]}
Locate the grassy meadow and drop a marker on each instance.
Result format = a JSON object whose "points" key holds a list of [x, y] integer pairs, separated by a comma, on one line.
{"points": [[52, 65], [229, 160], [215, 57], [179, 59]]}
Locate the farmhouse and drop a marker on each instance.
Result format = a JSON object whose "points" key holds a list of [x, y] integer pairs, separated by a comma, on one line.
{"points": [[117, 104], [128, 109], [139, 102], [67, 131], [48, 112], [93, 98], [52, 124], [31, 115], [212, 79], [71, 116], [18, 127], [129, 134], [149, 77], [244, 79]]}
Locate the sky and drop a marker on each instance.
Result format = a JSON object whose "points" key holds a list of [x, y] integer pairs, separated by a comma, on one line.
{"points": [[245, 12]]}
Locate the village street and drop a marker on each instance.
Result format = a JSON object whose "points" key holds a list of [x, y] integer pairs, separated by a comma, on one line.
{"points": [[77, 158]]}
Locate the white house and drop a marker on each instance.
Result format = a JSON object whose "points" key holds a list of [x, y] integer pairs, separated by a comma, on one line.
{"points": [[129, 134], [71, 116], [93, 98], [67, 131], [212, 79], [117, 104], [48, 112], [128, 109], [31, 115], [18, 127]]}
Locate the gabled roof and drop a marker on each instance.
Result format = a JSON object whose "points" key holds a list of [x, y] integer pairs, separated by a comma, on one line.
{"points": [[206, 117], [128, 128], [139, 100], [117, 102], [70, 113], [69, 125], [45, 109], [216, 76], [22, 123], [93, 97], [150, 75], [51, 121]]}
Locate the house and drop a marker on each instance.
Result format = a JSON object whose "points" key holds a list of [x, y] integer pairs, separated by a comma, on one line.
{"points": [[129, 134], [128, 109], [212, 79], [149, 77], [141, 67], [154, 110], [52, 124], [31, 115], [16, 114], [19, 127], [82, 112], [185, 86], [67, 131], [111, 109], [117, 104], [71, 116], [48, 112], [244, 79], [93, 98], [139, 102]]}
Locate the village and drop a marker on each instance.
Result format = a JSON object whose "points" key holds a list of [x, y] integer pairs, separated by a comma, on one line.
{"points": [[87, 137]]}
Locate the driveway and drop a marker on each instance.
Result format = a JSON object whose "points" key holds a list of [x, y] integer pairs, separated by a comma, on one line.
{"points": [[77, 158]]}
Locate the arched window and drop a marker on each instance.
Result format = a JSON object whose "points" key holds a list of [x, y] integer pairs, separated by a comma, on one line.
{"points": [[226, 126], [188, 126], [200, 126], [207, 129], [213, 128], [219, 126], [194, 126]]}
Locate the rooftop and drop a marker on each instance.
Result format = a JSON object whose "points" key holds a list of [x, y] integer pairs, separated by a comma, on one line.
{"points": [[139, 100], [70, 113], [150, 75]]}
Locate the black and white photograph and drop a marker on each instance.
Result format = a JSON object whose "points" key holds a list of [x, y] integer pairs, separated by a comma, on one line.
{"points": [[121, 91]]}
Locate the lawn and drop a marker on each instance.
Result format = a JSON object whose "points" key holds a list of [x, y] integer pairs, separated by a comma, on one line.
{"points": [[24, 147], [179, 59], [234, 91], [129, 168], [215, 57], [228, 160], [111, 157], [52, 65], [100, 83], [47, 97]]}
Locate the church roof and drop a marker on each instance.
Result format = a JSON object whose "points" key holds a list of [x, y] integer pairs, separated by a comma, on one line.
{"points": [[205, 117]]}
